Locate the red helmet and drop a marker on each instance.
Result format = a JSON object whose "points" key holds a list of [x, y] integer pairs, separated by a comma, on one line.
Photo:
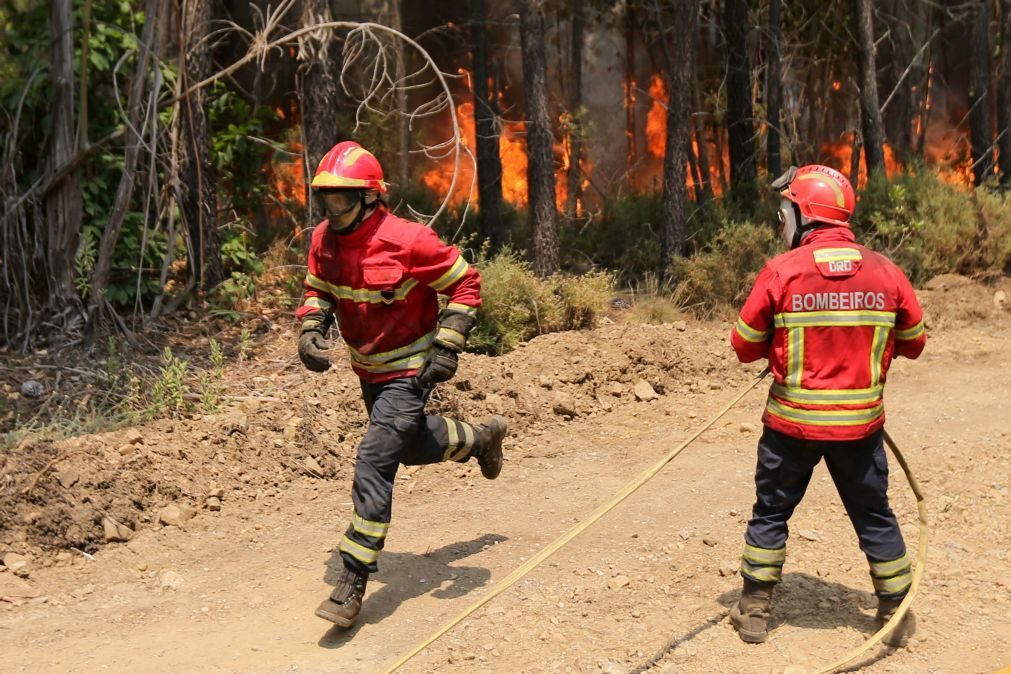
{"points": [[820, 192], [349, 166]]}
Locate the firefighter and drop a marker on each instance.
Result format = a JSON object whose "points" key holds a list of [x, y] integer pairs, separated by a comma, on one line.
{"points": [[829, 315], [379, 277]]}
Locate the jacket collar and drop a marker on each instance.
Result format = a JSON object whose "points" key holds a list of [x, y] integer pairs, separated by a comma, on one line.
{"points": [[363, 232], [828, 234]]}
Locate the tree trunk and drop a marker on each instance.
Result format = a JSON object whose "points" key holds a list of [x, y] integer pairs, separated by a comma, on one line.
{"points": [[403, 131], [681, 73], [979, 99], [630, 135], [124, 193], [740, 122], [63, 203], [540, 161], [489, 163], [918, 75], [199, 199], [870, 110], [699, 113], [573, 195], [773, 77], [320, 93], [1004, 96]]}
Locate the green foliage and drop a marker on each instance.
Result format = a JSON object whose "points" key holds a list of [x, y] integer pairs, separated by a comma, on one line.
{"points": [[924, 225], [168, 393], [518, 305], [232, 125], [723, 272]]}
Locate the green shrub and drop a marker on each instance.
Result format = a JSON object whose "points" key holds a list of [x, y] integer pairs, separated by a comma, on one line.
{"points": [[723, 273], [518, 305], [929, 227]]}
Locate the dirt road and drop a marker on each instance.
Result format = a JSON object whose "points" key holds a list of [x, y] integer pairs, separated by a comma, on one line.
{"points": [[646, 589]]}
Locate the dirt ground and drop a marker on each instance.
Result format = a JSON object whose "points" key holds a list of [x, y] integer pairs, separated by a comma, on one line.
{"points": [[195, 588]]}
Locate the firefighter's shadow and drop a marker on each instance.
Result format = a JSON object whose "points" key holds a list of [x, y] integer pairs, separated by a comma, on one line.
{"points": [[406, 575], [809, 602]]}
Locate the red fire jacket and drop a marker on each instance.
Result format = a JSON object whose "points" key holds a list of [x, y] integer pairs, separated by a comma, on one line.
{"points": [[829, 315], [381, 282]]}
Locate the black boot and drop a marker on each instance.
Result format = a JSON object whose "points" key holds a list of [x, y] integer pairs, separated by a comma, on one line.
{"points": [[346, 599], [750, 615], [899, 636], [488, 448]]}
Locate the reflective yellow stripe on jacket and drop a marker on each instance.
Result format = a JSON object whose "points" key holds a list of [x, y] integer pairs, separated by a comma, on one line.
{"points": [[362, 295]]}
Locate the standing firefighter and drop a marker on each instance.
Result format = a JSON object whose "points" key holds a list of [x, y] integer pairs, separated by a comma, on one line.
{"points": [[829, 315], [379, 276]]}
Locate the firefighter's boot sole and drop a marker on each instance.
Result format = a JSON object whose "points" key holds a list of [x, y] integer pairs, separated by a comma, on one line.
{"points": [[490, 458]]}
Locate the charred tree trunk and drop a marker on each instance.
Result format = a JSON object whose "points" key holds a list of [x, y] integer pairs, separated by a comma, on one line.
{"points": [[1004, 96], [698, 112], [63, 203], [870, 110], [540, 163], [772, 92], [681, 73], [979, 99], [489, 163], [320, 93], [918, 77], [630, 135], [124, 193], [403, 132], [740, 122], [199, 200], [573, 194]]}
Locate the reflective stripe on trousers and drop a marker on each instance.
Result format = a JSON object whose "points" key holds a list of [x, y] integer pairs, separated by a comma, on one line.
{"points": [[399, 432], [859, 470]]}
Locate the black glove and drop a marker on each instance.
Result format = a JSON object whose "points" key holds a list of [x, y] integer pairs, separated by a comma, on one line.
{"points": [[439, 366], [312, 344]]}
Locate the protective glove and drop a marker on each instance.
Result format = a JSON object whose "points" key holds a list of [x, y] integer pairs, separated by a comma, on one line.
{"points": [[439, 366], [313, 345]]}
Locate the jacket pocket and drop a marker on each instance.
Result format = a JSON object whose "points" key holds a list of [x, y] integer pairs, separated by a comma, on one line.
{"points": [[385, 279]]}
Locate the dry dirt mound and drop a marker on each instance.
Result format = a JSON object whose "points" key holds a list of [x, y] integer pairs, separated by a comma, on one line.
{"points": [[93, 489]]}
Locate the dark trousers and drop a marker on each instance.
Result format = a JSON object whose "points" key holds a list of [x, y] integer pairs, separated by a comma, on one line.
{"points": [[399, 432], [859, 469]]}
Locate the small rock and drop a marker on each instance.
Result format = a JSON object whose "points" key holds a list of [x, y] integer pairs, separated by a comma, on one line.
{"points": [[680, 326], [710, 542], [608, 667], [545, 382], [729, 568], [126, 449], [312, 465], [170, 580], [32, 389], [604, 403], [213, 503], [563, 404], [618, 582], [216, 492], [18, 564], [115, 532], [809, 535], [999, 298], [616, 388], [643, 391], [175, 515], [68, 475], [134, 437], [747, 427]]}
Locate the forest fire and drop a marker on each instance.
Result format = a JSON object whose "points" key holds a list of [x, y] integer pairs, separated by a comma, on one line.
{"points": [[945, 151]]}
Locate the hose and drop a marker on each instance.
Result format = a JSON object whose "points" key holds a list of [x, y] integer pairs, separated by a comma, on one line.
{"points": [[921, 565], [552, 548]]}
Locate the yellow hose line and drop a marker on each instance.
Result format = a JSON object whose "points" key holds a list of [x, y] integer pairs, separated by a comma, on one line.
{"points": [[546, 552], [921, 565]]}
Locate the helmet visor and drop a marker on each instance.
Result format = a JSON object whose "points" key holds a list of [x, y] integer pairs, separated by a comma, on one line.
{"points": [[783, 181], [336, 203]]}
